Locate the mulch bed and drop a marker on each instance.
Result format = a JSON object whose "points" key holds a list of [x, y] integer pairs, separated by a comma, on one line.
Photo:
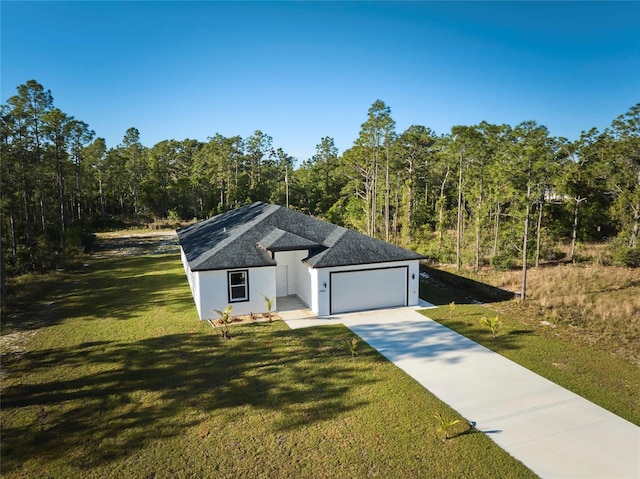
{"points": [[246, 318]]}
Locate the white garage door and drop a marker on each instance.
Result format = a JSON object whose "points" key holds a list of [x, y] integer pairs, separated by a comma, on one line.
{"points": [[368, 289]]}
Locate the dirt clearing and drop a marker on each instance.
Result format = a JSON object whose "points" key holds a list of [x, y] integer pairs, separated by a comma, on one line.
{"points": [[123, 243]]}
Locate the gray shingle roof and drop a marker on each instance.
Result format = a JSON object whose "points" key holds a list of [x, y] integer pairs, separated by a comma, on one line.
{"points": [[242, 238], [280, 240]]}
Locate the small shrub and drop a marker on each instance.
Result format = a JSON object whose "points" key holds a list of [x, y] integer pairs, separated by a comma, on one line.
{"points": [[268, 303], [352, 344], [629, 257], [439, 251], [552, 254], [444, 425], [492, 323], [502, 262], [622, 254], [174, 215], [225, 319]]}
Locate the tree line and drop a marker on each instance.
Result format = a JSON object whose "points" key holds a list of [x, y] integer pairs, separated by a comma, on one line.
{"points": [[480, 194]]}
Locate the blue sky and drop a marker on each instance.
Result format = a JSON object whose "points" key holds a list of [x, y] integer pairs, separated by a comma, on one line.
{"points": [[300, 71]]}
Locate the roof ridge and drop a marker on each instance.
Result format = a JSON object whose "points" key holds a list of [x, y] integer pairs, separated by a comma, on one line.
{"points": [[247, 227], [276, 232], [339, 232]]}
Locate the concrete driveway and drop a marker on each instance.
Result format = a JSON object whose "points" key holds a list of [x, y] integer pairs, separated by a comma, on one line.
{"points": [[554, 432]]}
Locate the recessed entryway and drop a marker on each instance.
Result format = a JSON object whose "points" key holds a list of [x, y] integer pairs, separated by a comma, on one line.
{"points": [[282, 281]]}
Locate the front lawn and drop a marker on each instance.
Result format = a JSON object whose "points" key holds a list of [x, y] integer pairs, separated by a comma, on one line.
{"points": [[107, 372]]}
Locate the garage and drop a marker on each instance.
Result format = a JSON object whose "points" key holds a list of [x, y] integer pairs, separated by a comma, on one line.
{"points": [[368, 289]]}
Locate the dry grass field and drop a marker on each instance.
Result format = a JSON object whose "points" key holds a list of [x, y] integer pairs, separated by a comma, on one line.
{"points": [[599, 305]]}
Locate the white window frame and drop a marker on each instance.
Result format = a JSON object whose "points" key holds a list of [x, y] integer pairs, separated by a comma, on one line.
{"points": [[231, 287]]}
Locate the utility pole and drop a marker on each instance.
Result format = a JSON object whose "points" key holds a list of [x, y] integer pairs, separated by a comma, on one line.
{"points": [[286, 183]]}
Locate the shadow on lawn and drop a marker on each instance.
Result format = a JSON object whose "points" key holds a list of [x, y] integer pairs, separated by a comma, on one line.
{"points": [[440, 287], [122, 284], [118, 397], [471, 330], [428, 340]]}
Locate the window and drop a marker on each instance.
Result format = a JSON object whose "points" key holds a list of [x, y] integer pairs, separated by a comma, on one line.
{"points": [[238, 285]]}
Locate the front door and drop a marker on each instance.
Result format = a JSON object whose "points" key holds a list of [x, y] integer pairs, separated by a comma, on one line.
{"points": [[282, 284]]}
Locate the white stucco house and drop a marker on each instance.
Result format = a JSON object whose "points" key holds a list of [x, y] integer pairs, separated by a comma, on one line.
{"points": [[264, 249]]}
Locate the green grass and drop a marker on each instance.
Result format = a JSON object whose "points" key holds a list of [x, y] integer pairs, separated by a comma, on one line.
{"points": [[107, 372], [601, 304], [553, 352]]}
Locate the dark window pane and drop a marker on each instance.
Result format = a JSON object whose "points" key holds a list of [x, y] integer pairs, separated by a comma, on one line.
{"points": [[238, 292], [237, 279]]}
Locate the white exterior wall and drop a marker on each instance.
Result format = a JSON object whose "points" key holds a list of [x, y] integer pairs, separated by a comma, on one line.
{"points": [[299, 274], [194, 282], [211, 291], [321, 295], [187, 270]]}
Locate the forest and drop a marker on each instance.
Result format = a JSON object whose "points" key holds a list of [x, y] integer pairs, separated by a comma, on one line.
{"points": [[482, 195]]}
